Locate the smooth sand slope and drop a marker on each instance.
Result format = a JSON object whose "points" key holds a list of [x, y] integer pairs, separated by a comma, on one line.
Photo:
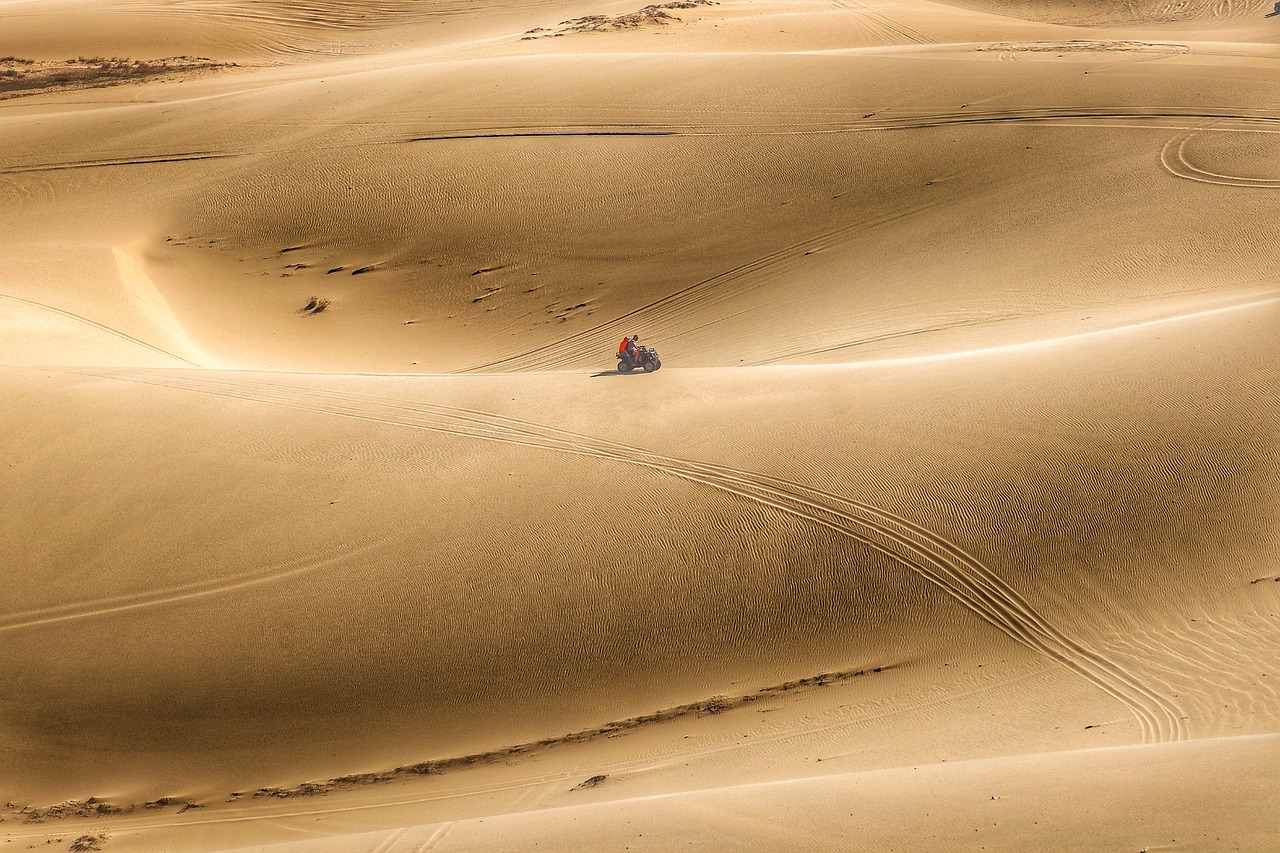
{"points": [[950, 522], [1092, 800]]}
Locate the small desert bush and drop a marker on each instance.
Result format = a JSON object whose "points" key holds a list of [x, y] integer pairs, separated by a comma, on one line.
{"points": [[314, 305]]}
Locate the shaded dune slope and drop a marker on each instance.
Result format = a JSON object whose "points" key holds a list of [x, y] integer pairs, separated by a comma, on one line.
{"points": [[878, 546]]}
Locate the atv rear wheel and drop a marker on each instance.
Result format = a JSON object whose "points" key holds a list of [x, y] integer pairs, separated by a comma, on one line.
{"points": [[624, 367]]}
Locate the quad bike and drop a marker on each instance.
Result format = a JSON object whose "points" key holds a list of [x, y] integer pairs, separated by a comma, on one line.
{"points": [[646, 359]]}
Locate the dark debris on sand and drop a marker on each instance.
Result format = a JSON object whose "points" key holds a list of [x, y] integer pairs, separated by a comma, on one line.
{"points": [[655, 14], [20, 77]]}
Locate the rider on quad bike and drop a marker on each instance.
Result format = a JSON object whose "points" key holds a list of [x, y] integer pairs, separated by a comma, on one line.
{"points": [[631, 355]]}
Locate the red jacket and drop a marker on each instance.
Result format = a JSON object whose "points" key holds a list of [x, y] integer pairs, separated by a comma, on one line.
{"points": [[622, 347]]}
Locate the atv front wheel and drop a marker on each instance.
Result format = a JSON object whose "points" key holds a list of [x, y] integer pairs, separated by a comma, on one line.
{"points": [[650, 366]]}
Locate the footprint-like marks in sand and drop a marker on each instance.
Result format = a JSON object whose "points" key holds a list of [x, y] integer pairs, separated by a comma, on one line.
{"points": [[1175, 161], [928, 554]]}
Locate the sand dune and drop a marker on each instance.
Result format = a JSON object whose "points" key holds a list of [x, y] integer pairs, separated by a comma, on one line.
{"points": [[949, 523], [983, 805]]}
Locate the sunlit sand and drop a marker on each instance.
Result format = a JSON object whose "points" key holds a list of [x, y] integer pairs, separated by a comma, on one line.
{"points": [[948, 523]]}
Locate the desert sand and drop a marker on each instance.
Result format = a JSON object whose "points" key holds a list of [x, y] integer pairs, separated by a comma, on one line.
{"points": [[949, 523]]}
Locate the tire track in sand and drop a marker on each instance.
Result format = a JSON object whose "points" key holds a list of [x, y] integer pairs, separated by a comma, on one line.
{"points": [[99, 326], [152, 160], [882, 26], [715, 290], [1178, 118], [1266, 298], [271, 573], [435, 838], [1174, 159], [938, 560], [740, 279], [392, 839]]}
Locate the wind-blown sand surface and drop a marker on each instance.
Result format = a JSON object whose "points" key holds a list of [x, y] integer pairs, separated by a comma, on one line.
{"points": [[949, 524]]}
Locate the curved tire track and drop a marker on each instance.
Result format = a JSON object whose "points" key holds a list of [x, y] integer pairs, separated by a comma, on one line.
{"points": [[1174, 159], [942, 562]]}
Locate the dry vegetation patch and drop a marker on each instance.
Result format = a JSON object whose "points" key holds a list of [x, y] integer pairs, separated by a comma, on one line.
{"points": [[90, 808], [656, 14], [20, 77], [1083, 46], [703, 708], [315, 305], [593, 782]]}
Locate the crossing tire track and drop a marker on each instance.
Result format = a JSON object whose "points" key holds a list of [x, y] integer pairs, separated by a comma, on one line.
{"points": [[892, 31]]}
